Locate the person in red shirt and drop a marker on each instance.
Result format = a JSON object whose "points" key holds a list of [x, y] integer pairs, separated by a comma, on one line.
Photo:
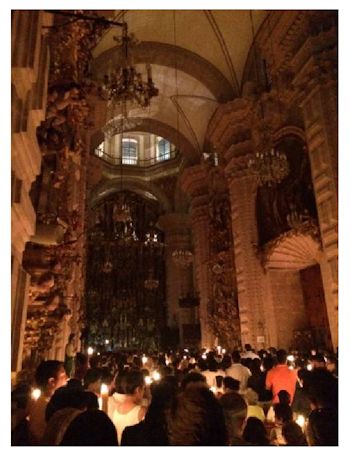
{"points": [[281, 377]]}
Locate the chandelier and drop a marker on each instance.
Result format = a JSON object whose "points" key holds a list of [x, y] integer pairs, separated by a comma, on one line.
{"points": [[182, 258], [125, 83], [151, 283], [269, 167]]}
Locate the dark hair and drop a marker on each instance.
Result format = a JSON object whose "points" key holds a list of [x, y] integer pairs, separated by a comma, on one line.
{"points": [[236, 357], [322, 427], [248, 347], [284, 397], [192, 377], [197, 419], [92, 427], [255, 432], [69, 397], [283, 412], [129, 381], [318, 358], [212, 365], [231, 383], [46, 370], [281, 356], [293, 434], [322, 388], [268, 363], [92, 376]]}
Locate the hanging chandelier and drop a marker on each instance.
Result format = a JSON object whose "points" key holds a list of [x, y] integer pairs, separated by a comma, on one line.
{"points": [[125, 84], [270, 167], [151, 283], [182, 258]]}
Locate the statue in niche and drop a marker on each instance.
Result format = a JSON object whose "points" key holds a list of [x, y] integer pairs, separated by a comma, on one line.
{"points": [[276, 206]]}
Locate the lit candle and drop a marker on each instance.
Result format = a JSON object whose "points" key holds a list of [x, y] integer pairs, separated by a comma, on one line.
{"points": [[156, 375], [309, 367], [36, 393], [106, 341], [148, 380], [144, 359], [90, 351], [104, 396], [219, 350], [223, 351], [204, 356], [301, 421], [290, 358], [213, 389]]}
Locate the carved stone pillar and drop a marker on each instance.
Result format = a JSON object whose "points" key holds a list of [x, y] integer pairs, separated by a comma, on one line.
{"points": [[176, 227], [316, 84], [257, 320], [194, 183]]}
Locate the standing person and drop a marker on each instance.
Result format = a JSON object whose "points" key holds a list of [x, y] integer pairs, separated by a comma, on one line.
{"points": [[70, 353], [238, 371], [49, 376], [235, 413], [249, 353], [281, 377], [127, 410]]}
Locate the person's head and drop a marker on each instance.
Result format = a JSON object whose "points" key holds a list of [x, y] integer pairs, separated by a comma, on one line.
{"points": [[197, 419], [283, 397], [93, 380], [193, 378], [90, 428], [212, 365], [230, 384], [235, 412], [293, 434], [247, 347], [236, 357], [281, 356], [267, 363], [132, 384], [322, 427], [322, 389], [255, 432], [68, 397], [318, 361], [50, 375], [332, 364], [283, 413], [255, 366]]}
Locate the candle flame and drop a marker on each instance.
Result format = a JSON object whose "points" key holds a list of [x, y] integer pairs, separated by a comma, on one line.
{"points": [[36, 393]]}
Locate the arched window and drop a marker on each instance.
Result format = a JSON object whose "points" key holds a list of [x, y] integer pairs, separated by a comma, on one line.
{"points": [[163, 149], [100, 150], [129, 151]]}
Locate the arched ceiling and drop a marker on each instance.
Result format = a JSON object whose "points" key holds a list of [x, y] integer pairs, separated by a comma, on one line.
{"points": [[197, 57]]}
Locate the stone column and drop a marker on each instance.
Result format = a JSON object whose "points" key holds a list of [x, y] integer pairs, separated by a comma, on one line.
{"points": [[194, 182], [316, 83], [257, 317], [176, 227]]}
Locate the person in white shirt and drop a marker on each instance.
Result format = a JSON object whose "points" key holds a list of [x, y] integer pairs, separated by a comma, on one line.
{"points": [[248, 353], [238, 371]]}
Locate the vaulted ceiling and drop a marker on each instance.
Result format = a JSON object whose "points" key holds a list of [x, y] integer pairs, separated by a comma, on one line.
{"points": [[198, 59]]}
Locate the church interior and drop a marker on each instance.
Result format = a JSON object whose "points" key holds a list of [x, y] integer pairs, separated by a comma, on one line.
{"points": [[174, 180]]}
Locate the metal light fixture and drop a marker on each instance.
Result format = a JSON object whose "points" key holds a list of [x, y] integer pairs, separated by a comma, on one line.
{"points": [[125, 84], [269, 166], [182, 258]]}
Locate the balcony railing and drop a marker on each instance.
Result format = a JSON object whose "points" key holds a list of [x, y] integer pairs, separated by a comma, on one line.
{"points": [[113, 160]]}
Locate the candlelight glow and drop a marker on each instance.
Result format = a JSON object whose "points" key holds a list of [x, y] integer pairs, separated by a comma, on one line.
{"points": [[104, 389], [106, 341], [300, 420], [204, 356], [90, 351], [36, 393], [144, 359], [186, 350], [309, 367], [223, 351], [213, 389], [148, 380], [290, 358], [156, 375]]}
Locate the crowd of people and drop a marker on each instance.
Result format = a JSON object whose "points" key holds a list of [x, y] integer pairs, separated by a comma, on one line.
{"points": [[207, 397]]}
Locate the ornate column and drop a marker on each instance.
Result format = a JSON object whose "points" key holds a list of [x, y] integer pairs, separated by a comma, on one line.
{"points": [[315, 81], [176, 227], [194, 183]]}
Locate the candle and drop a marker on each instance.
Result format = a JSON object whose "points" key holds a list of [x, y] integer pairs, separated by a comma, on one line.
{"points": [[309, 367], [156, 375], [36, 393], [301, 421], [213, 389], [290, 358], [223, 351], [144, 359], [107, 341], [90, 351], [104, 396]]}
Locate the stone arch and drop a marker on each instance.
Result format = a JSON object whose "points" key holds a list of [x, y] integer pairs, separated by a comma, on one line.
{"points": [[148, 191], [173, 56]]}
